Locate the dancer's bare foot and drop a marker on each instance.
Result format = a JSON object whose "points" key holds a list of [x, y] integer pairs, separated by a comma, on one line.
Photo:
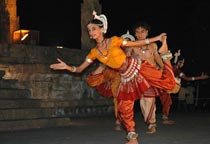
{"points": [[164, 48], [151, 130], [132, 141]]}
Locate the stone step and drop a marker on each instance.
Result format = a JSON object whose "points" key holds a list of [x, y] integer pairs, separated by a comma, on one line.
{"points": [[39, 103], [17, 114], [34, 124], [35, 109], [32, 113], [8, 84], [19, 103], [14, 93], [53, 112]]}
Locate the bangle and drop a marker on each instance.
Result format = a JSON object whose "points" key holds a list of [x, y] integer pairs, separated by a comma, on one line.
{"points": [[147, 41], [124, 42], [193, 78], [74, 69]]}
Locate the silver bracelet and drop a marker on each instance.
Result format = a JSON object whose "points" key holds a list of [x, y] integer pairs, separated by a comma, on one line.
{"points": [[74, 69], [147, 41], [124, 42]]}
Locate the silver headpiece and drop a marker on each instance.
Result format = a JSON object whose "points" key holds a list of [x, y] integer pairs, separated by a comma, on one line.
{"points": [[176, 55], [103, 19], [128, 36]]}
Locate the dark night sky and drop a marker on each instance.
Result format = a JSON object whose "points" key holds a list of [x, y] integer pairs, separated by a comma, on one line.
{"points": [[184, 21], [56, 19]]}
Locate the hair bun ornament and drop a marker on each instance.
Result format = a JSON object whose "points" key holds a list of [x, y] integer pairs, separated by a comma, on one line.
{"points": [[128, 36], [103, 19]]}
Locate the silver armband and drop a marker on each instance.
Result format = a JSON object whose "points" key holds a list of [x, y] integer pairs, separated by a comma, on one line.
{"points": [[88, 60]]}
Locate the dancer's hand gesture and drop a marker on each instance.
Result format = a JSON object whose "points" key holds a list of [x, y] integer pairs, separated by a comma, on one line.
{"points": [[59, 66]]}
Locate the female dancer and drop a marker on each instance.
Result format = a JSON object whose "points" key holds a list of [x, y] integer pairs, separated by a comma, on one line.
{"points": [[106, 81], [109, 52]]}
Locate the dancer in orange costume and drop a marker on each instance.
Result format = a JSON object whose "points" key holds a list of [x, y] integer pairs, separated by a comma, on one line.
{"points": [[134, 77], [106, 81]]}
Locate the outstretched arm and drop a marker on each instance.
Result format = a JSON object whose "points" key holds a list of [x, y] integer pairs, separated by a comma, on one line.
{"points": [[63, 66], [201, 77], [138, 43]]}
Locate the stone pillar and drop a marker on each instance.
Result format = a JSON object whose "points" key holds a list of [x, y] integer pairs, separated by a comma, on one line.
{"points": [[87, 8], [11, 7], [4, 22]]}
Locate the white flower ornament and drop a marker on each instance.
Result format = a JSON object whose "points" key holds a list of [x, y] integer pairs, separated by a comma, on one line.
{"points": [[103, 19]]}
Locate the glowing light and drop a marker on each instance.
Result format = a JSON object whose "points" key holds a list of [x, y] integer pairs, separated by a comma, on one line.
{"points": [[60, 47], [24, 37]]}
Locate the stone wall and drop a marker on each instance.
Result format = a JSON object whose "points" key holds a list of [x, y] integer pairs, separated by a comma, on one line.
{"points": [[28, 66]]}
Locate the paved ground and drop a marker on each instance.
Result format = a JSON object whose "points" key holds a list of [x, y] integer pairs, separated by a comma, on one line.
{"points": [[190, 128]]}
